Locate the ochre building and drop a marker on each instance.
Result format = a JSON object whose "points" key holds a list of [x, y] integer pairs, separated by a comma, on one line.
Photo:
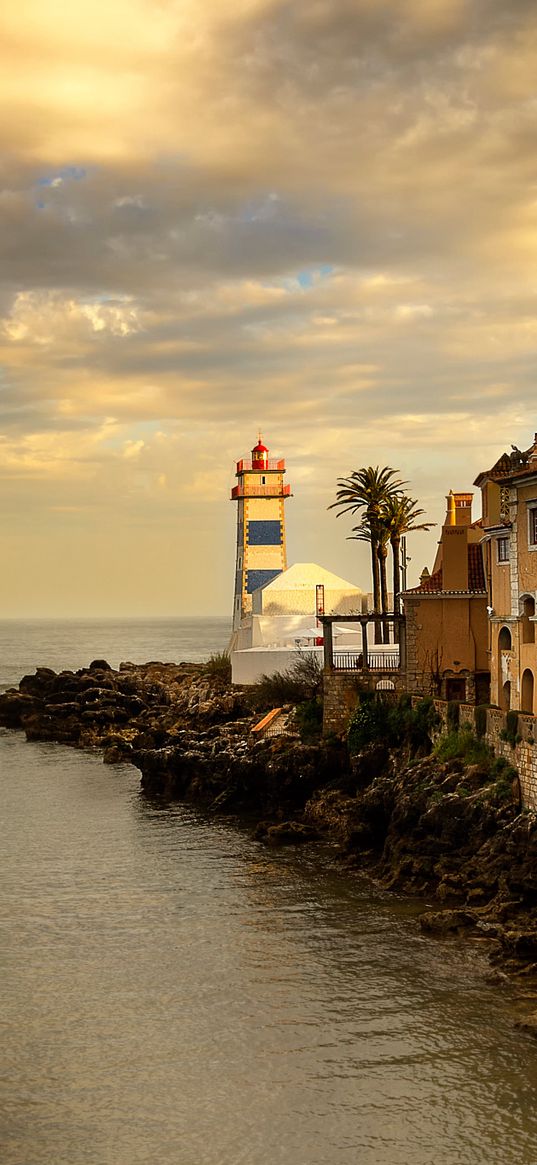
{"points": [[509, 493], [446, 615]]}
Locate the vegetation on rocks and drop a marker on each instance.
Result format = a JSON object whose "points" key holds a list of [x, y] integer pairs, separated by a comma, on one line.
{"points": [[395, 724], [301, 681]]}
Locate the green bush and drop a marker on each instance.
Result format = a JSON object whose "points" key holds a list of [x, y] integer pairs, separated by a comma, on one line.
{"points": [[302, 680], [462, 744], [503, 775], [309, 719], [397, 725], [480, 720], [218, 666], [510, 732], [453, 714]]}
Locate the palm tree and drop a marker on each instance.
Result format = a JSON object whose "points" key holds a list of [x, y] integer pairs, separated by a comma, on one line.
{"points": [[379, 538], [399, 517], [367, 491]]}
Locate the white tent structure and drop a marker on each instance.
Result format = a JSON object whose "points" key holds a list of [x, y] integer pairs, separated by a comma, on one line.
{"points": [[283, 620]]}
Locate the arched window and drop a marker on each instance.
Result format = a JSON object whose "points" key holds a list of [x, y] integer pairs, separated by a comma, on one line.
{"points": [[527, 691], [528, 613], [504, 639], [505, 696]]}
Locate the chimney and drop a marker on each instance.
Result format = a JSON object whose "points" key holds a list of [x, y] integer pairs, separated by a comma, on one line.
{"points": [[455, 542], [459, 509]]}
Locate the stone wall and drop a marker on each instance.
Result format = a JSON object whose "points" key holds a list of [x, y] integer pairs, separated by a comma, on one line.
{"points": [[522, 755], [340, 694], [341, 690]]}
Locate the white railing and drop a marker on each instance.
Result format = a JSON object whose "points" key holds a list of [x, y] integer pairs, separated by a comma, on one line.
{"points": [[376, 661]]}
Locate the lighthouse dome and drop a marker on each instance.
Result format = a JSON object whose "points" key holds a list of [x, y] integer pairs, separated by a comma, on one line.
{"points": [[259, 455]]}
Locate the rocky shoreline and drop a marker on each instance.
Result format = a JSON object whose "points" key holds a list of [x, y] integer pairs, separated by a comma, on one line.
{"points": [[437, 829]]}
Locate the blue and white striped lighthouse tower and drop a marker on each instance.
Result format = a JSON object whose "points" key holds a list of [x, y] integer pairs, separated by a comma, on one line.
{"points": [[261, 551]]}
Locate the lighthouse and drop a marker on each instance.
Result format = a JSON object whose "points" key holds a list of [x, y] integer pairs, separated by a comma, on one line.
{"points": [[261, 552]]}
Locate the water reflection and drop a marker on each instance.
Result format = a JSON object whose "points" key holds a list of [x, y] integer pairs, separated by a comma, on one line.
{"points": [[177, 993]]}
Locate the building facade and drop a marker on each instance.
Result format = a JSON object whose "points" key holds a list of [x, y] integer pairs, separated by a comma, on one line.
{"points": [[261, 554], [446, 615], [509, 504]]}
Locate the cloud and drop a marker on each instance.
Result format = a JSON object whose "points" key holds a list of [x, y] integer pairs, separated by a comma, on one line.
{"points": [[318, 218]]}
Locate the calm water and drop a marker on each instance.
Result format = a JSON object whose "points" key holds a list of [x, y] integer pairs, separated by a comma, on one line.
{"points": [[174, 993], [73, 643]]}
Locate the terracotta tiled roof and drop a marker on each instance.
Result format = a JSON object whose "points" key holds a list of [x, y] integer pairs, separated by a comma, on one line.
{"points": [[512, 465], [476, 577], [429, 585]]}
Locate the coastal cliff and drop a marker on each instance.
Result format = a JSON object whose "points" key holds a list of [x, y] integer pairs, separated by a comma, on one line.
{"points": [[444, 829]]}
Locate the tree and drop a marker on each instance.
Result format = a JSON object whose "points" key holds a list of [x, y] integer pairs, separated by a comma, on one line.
{"points": [[399, 517], [380, 538], [366, 491]]}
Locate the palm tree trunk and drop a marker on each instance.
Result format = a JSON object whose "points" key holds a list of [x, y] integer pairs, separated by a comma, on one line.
{"points": [[395, 541], [382, 553], [375, 571]]}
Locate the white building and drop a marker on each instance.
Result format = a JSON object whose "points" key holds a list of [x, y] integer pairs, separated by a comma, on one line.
{"points": [[283, 620]]}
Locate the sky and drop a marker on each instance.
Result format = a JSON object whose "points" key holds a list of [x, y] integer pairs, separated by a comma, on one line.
{"points": [[316, 219]]}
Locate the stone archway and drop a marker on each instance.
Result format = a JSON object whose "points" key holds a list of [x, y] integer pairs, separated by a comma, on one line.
{"points": [[527, 697], [504, 640], [505, 696]]}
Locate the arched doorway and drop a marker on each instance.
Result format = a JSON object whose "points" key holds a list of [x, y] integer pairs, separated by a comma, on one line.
{"points": [[527, 691], [504, 639], [505, 696], [528, 613]]}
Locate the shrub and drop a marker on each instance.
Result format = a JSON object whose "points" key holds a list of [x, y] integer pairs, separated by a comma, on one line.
{"points": [[368, 724], [480, 720], [218, 666], [309, 719], [503, 775], [462, 744], [510, 732], [396, 725], [453, 714], [302, 680]]}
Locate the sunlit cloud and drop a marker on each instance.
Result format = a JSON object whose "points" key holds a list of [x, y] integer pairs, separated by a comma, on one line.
{"points": [[316, 219]]}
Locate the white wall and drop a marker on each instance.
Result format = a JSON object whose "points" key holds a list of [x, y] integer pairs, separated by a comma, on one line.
{"points": [[249, 666]]}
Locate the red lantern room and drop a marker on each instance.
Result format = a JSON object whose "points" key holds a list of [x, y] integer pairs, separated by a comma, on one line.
{"points": [[260, 455]]}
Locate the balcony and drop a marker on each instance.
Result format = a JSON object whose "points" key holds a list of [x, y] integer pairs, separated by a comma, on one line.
{"points": [[246, 466], [388, 659], [260, 491]]}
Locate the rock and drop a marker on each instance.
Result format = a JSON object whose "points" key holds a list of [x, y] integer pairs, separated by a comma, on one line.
{"points": [[114, 755], [528, 1024], [14, 707], [289, 833], [444, 922]]}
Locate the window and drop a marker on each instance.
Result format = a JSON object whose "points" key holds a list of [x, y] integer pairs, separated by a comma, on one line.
{"points": [[503, 550], [532, 515]]}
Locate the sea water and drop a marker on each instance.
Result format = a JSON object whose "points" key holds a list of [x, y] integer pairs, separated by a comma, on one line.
{"points": [[173, 992]]}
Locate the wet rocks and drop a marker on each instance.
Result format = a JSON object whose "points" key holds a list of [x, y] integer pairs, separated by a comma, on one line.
{"points": [[286, 833]]}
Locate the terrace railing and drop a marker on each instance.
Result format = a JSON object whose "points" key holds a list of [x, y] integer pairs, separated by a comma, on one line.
{"points": [[376, 661], [260, 491]]}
